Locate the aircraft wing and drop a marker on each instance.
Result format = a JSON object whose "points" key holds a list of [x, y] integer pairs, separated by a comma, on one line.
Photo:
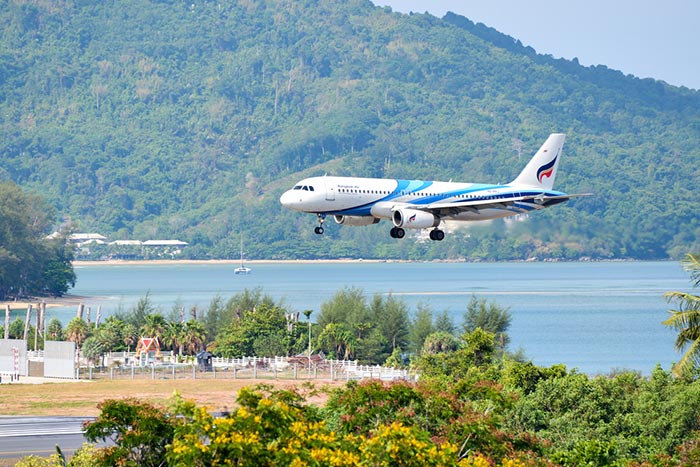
{"points": [[475, 205]]}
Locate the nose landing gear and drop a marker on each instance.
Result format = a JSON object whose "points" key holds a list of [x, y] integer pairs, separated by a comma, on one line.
{"points": [[321, 219]]}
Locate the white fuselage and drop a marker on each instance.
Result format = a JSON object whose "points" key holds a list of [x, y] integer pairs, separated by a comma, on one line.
{"points": [[353, 196]]}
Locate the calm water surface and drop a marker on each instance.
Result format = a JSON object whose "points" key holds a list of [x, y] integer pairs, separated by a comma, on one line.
{"points": [[593, 316]]}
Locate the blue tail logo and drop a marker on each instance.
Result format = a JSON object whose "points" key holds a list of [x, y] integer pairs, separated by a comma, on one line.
{"points": [[546, 170]]}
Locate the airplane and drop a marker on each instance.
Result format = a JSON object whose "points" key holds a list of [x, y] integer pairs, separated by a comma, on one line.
{"points": [[418, 204]]}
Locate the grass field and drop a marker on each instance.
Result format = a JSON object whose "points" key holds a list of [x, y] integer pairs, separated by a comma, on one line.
{"points": [[82, 398]]}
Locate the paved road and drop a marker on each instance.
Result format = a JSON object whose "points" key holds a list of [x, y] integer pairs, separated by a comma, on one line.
{"points": [[24, 436]]}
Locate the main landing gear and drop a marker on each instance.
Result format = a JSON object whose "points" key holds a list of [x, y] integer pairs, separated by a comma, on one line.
{"points": [[321, 219], [397, 232], [437, 234]]}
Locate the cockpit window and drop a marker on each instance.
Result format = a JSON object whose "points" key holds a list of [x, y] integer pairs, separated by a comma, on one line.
{"points": [[303, 187]]}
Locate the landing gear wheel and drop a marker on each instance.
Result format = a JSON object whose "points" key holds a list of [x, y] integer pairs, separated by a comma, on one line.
{"points": [[437, 234], [318, 230], [397, 232]]}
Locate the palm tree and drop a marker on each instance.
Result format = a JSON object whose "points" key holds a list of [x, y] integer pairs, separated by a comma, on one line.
{"points": [[686, 319], [173, 336], [92, 349], [76, 331], [129, 336], [153, 326], [54, 330], [194, 336], [338, 338]]}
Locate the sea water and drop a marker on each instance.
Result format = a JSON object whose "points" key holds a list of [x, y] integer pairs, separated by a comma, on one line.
{"points": [[594, 316]]}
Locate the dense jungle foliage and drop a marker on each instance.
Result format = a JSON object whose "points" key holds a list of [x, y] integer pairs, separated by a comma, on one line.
{"points": [[144, 119]]}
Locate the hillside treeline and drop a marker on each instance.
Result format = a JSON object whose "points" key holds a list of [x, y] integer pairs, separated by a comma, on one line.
{"points": [[145, 119]]}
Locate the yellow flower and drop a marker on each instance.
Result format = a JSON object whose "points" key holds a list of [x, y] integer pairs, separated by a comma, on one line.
{"points": [[512, 463], [475, 461]]}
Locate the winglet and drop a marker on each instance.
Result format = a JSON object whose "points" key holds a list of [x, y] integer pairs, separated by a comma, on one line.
{"points": [[542, 169]]}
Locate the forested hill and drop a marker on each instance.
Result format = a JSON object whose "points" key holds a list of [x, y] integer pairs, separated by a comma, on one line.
{"points": [[172, 119]]}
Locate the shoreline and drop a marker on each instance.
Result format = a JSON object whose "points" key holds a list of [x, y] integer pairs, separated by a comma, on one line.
{"points": [[158, 262], [165, 262]]}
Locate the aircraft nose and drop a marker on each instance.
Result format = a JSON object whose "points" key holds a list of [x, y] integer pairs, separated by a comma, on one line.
{"points": [[290, 200]]}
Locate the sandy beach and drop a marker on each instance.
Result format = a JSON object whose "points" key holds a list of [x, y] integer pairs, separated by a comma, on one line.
{"points": [[51, 302]]}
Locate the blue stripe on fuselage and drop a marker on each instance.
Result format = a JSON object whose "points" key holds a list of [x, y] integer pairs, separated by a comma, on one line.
{"points": [[408, 188]]}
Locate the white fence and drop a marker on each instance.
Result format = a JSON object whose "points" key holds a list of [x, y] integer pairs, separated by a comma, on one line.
{"points": [[124, 366]]}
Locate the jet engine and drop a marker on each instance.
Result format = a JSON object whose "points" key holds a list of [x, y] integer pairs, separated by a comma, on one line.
{"points": [[414, 219], [355, 220]]}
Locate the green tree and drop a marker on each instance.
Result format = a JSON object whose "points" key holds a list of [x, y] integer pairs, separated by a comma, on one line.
{"points": [[138, 433], [347, 306], [54, 330], [686, 320], [30, 262], [445, 358], [391, 317], [439, 342], [16, 330], [92, 350], [77, 331], [137, 315], [337, 340], [58, 275], [193, 336], [444, 323], [260, 331], [488, 316], [109, 334], [214, 318], [421, 328], [153, 326], [174, 336], [130, 335]]}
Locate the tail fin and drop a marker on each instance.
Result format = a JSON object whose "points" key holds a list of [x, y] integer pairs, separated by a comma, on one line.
{"points": [[540, 171]]}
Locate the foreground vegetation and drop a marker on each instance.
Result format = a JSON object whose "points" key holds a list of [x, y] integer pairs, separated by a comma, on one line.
{"points": [[470, 408], [472, 405]]}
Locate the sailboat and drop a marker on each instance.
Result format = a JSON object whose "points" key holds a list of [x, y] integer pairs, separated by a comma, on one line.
{"points": [[242, 269]]}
